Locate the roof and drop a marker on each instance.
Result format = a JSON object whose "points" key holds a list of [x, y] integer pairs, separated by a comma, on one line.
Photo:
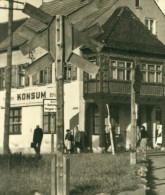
{"points": [[103, 6], [4, 27], [124, 31], [53, 8], [64, 7]]}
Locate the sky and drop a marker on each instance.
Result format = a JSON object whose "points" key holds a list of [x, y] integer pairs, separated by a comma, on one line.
{"points": [[161, 4], [37, 3], [17, 14]]}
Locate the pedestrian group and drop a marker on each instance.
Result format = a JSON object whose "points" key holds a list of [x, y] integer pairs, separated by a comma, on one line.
{"points": [[73, 142]]}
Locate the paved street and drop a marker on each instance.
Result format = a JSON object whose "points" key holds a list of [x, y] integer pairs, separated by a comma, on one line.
{"points": [[156, 174]]}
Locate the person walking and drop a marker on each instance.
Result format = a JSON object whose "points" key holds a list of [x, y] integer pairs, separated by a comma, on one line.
{"points": [[77, 139], [107, 138], [37, 139], [68, 141], [159, 137], [144, 137]]}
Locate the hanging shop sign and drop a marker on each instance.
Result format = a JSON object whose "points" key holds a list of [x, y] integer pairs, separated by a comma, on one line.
{"points": [[50, 105]]}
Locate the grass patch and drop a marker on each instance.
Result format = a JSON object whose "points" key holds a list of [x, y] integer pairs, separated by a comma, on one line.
{"points": [[89, 174]]}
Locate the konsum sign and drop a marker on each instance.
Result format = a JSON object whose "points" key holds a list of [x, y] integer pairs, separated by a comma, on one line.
{"points": [[30, 96]]}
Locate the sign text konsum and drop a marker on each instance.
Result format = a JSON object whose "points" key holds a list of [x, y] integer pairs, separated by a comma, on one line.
{"points": [[31, 96]]}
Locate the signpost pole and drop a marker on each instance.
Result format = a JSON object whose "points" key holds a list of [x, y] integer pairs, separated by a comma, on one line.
{"points": [[60, 170], [135, 98], [133, 122], [53, 159]]}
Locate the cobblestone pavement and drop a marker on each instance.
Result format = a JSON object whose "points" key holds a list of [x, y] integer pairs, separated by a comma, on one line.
{"points": [[156, 172]]}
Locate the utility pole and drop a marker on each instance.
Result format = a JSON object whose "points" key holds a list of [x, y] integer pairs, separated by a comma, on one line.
{"points": [[62, 163], [8, 79], [135, 97], [133, 122]]}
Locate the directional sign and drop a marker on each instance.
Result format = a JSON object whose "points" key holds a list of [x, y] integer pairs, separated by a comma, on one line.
{"points": [[50, 105]]}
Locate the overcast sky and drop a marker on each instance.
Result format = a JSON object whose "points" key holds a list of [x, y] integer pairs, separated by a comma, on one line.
{"points": [[17, 14], [37, 3], [161, 3]]}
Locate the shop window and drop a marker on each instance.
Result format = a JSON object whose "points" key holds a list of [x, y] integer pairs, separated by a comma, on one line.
{"points": [[43, 76], [151, 24], [151, 73], [2, 78], [70, 72], [15, 121], [120, 70], [48, 118]]}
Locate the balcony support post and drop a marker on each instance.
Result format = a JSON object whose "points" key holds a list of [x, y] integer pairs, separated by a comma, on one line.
{"points": [[101, 106], [162, 106]]}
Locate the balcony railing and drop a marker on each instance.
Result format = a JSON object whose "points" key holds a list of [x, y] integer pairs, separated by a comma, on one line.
{"points": [[122, 87]]}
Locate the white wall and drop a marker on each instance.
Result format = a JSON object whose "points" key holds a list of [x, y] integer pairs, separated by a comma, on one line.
{"points": [[125, 125], [71, 102]]}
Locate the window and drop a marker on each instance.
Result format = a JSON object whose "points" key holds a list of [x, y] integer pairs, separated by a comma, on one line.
{"points": [[93, 60], [43, 76], [15, 121], [70, 72], [67, 72], [2, 78], [120, 70], [21, 75], [48, 118], [151, 73], [151, 24], [137, 3]]}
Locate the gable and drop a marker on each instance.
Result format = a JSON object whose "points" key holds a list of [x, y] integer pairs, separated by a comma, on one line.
{"points": [[124, 31]]}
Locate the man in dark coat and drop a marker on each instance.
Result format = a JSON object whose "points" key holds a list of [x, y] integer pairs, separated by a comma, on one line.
{"points": [[37, 139]]}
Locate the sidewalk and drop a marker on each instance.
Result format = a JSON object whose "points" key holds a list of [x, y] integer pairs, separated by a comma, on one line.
{"points": [[156, 172]]}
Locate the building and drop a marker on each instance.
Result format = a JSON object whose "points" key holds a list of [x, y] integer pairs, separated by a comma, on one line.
{"points": [[127, 42]]}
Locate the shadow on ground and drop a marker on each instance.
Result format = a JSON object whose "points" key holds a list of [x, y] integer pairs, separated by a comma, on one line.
{"points": [[151, 179]]}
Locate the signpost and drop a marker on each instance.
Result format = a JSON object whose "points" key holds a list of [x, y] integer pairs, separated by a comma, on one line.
{"points": [[50, 105], [60, 165]]}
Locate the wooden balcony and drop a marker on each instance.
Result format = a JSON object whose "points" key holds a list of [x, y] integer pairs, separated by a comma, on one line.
{"points": [[92, 87]]}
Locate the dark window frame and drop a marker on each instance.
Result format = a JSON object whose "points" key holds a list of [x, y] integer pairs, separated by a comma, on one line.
{"points": [[47, 122], [147, 72], [21, 75], [15, 121], [43, 76], [70, 72], [115, 70], [137, 3], [2, 78]]}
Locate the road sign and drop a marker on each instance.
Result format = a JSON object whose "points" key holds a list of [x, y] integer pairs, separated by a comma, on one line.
{"points": [[49, 105]]}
